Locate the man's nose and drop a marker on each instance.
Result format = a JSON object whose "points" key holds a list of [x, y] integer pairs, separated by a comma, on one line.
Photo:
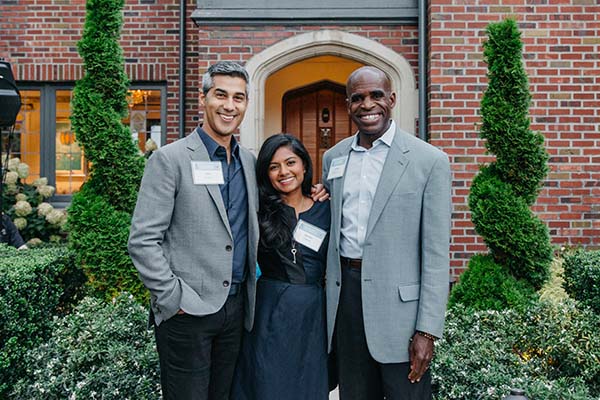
{"points": [[229, 104], [367, 103]]}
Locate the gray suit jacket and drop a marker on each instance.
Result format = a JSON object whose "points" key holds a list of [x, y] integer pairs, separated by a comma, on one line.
{"points": [[180, 240], [405, 267]]}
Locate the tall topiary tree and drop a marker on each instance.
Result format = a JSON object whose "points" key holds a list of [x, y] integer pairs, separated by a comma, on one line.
{"points": [[503, 191], [100, 214]]}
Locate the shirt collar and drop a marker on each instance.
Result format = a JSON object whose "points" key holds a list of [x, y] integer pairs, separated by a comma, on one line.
{"points": [[387, 138], [212, 146]]}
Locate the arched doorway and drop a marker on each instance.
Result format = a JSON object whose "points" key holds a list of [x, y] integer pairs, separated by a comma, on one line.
{"points": [[317, 115], [296, 49]]}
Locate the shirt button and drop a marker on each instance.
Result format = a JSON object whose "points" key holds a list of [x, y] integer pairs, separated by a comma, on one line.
{"points": [[337, 283], [228, 248], [226, 283]]}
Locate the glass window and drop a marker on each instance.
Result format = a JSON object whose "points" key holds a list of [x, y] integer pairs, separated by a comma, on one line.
{"points": [[144, 118], [70, 165], [25, 142], [43, 137]]}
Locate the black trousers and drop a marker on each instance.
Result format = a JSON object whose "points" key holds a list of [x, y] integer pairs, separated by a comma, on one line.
{"points": [[360, 376], [198, 354]]}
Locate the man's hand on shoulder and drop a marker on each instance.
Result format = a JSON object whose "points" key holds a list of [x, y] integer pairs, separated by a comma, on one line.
{"points": [[319, 193]]}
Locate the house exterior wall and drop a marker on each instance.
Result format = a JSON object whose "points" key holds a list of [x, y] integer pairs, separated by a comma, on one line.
{"points": [[561, 54], [562, 58]]}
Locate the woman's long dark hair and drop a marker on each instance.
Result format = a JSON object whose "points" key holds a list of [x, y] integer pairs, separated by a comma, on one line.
{"points": [[274, 228]]}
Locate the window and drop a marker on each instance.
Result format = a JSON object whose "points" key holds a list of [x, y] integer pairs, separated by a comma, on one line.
{"points": [[43, 137]]}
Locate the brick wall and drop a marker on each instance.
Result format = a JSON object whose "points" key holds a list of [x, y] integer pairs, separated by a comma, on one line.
{"points": [[562, 48], [561, 54], [39, 38]]}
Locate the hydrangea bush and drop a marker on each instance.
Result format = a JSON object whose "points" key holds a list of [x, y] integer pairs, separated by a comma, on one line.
{"points": [[100, 351], [26, 204]]}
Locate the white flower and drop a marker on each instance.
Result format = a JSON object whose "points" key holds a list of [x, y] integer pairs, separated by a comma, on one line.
{"points": [[11, 178], [44, 208], [54, 217], [20, 223], [46, 191], [40, 182], [151, 145], [55, 238], [21, 197], [23, 170], [22, 208], [13, 163], [11, 188]]}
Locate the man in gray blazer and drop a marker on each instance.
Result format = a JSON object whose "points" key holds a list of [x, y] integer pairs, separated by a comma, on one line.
{"points": [[193, 239], [388, 260]]}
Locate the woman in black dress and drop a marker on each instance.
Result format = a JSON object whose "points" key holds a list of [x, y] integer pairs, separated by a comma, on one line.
{"points": [[284, 357]]}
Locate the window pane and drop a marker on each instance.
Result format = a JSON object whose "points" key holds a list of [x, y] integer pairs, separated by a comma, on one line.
{"points": [[71, 166], [25, 143], [144, 116]]}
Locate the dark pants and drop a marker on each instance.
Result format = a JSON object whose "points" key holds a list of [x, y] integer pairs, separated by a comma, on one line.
{"points": [[198, 354], [360, 376]]}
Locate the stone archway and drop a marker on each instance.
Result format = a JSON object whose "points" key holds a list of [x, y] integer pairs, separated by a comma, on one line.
{"points": [[327, 42]]}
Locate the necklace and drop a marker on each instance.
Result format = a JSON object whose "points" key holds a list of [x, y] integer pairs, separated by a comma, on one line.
{"points": [[293, 250]]}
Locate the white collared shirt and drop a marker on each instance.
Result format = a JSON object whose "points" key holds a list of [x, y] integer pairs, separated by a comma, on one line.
{"points": [[360, 183]]}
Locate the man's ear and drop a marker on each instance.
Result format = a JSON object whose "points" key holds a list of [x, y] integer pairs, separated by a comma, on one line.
{"points": [[201, 98], [393, 99]]}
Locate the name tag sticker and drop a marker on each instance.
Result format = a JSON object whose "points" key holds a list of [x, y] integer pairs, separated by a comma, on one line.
{"points": [[207, 173], [309, 235], [337, 167]]}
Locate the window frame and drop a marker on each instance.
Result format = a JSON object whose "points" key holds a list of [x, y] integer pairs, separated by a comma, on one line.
{"points": [[48, 125]]}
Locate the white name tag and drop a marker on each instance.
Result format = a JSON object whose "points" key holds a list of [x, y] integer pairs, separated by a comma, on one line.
{"points": [[207, 173], [337, 167], [309, 235]]}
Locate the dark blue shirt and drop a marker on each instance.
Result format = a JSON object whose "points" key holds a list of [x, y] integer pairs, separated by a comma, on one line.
{"points": [[235, 198]]}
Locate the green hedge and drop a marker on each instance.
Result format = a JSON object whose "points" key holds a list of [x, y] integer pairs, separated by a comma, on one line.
{"points": [[582, 277], [487, 285], [100, 351], [551, 351], [35, 284]]}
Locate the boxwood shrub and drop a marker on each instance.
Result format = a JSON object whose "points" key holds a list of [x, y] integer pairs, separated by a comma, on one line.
{"points": [[35, 284], [582, 277], [102, 350], [487, 285], [550, 350]]}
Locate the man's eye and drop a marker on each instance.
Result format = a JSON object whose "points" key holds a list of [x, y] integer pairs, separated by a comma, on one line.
{"points": [[355, 99], [239, 98]]}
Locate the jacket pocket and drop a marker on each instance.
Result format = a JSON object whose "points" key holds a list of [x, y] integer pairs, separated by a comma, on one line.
{"points": [[409, 292]]}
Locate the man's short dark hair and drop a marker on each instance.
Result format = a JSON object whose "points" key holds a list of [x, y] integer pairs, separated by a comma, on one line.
{"points": [[228, 68]]}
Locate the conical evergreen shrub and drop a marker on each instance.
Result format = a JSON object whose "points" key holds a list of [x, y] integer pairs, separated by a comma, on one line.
{"points": [[502, 193], [100, 214]]}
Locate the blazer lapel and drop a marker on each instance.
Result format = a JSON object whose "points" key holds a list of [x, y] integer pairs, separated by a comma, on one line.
{"points": [[393, 169], [337, 189], [198, 152]]}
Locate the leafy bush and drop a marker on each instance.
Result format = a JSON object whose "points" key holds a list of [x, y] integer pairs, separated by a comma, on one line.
{"points": [[25, 204], [582, 277], [503, 191], [101, 211], [108, 266], [101, 351], [35, 284], [551, 351], [486, 285]]}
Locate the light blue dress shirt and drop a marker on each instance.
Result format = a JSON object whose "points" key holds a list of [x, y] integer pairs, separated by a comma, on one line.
{"points": [[362, 176]]}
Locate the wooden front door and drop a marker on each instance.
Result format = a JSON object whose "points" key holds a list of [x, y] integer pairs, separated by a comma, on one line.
{"points": [[317, 115]]}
